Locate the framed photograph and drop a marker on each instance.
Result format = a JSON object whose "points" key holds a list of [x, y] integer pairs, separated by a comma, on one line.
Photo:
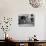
{"points": [[26, 20]]}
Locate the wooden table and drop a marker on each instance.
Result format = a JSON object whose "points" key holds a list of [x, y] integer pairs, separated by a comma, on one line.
{"points": [[27, 43], [31, 43]]}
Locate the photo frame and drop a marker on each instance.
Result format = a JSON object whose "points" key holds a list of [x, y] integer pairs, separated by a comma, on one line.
{"points": [[26, 20]]}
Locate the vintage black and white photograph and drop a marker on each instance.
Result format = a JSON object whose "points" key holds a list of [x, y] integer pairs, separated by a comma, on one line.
{"points": [[26, 20]]}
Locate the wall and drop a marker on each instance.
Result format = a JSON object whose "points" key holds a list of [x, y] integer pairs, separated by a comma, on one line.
{"points": [[12, 8]]}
